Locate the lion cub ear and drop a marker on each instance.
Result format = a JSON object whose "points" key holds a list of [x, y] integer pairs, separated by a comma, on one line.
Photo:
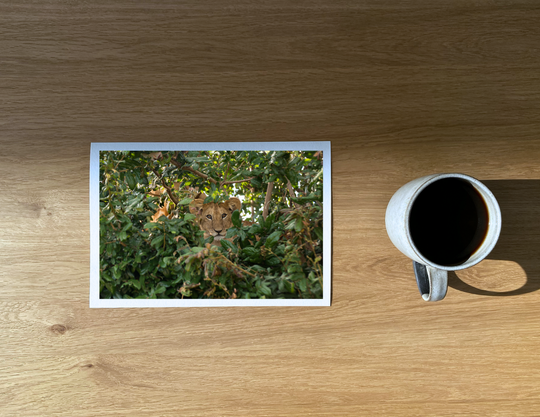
{"points": [[234, 204], [196, 206]]}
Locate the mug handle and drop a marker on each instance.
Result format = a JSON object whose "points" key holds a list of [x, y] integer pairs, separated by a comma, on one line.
{"points": [[432, 282]]}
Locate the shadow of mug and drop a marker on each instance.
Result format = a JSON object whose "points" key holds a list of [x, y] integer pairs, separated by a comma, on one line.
{"points": [[519, 241]]}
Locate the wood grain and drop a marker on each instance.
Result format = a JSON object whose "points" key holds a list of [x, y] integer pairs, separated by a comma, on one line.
{"points": [[401, 88]]}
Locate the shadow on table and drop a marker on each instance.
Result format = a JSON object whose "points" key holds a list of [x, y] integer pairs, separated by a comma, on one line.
{"points": [[519, 241]]}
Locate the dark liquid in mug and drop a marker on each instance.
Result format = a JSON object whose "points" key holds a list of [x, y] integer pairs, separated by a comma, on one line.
{"points": [[448, 221]]}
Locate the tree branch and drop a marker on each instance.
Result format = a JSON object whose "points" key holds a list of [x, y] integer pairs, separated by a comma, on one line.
{"points": [[169, 189], [221, 184], [198, 173], [292, 192], [267, 199], [227, 171]]}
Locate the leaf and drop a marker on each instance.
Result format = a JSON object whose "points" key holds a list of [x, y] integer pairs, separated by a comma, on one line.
{"points": [[291, 289], [252, 254], [273, 239], [236, 219], [189, 216], [297, 276], [269, 221], [265, 289], [151, 225], [294, 268], [273, 261], [117, 273], [256, 183], [153, 155], [199, 159], [160, 289], [255, 229], [157, 241], [305, 199], [249, 251], [298, 225], [132, 182], [228, 245], [185, 201], [105, 276], [316, 177], [289, 226], [196, 249], [163, 262]]}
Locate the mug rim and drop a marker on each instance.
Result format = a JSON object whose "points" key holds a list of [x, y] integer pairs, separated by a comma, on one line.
{"points": [[486, 247]]}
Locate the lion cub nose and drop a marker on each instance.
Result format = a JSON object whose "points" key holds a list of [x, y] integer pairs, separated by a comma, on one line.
{"points": [[218, 231]]}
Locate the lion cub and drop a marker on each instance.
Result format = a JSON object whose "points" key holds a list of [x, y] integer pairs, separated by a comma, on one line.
{"points": [[215, 218]]}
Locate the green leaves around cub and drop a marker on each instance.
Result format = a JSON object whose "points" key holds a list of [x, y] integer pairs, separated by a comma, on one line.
{"points": [[236, 220], [276, 257]]}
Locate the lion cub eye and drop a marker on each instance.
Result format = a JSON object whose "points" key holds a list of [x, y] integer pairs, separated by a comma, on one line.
{"points": [[224, 215], [209, 216]]}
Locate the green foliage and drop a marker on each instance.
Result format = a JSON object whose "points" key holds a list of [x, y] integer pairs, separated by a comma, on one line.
{"points": [[278, 255]]}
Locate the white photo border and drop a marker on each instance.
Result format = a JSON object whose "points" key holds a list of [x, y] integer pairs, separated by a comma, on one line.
{"points": [[95, 148]]}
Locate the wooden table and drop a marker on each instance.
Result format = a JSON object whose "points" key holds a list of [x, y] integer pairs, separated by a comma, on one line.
{"points": [[401, 88]]}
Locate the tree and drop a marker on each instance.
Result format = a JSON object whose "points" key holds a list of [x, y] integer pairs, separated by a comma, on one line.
{"points": [[151, 245]]}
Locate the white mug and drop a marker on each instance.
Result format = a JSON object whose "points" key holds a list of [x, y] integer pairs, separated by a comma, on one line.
{"points": [[443, 222]]}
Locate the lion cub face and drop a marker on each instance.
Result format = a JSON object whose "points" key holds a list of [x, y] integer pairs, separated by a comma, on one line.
{"points": [[215, 218]]}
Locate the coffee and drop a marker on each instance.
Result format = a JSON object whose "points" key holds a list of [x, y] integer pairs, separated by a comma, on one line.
{"points": [[448, 221]]}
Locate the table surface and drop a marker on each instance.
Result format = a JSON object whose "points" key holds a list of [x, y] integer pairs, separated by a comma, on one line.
{"points": [[401, 88]]}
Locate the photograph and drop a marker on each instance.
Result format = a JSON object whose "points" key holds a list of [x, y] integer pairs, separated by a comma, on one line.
{"points": [[210, 224]]}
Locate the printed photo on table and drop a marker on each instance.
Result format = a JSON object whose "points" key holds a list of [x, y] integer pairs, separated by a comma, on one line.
{"points": [[210, 224]]}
